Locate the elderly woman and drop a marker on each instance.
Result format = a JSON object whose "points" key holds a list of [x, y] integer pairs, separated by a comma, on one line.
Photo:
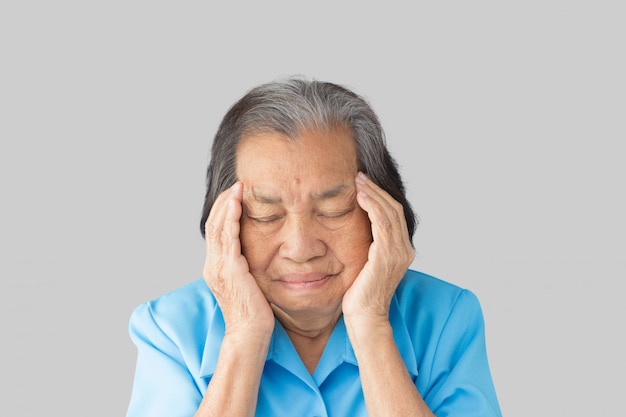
{"points": [[307, 306]]}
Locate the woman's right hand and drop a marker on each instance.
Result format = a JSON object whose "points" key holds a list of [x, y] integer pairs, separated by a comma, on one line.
{"points": [[226, 272]]}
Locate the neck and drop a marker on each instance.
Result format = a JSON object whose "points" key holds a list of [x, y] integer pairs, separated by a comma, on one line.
{"points": [[308, 335]]}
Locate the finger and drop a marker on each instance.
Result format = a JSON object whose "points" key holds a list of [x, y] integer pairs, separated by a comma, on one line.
{"points": [[230, 232], [215, 222], [376, 192], [389, 227], [384, 212], [390, 235]]}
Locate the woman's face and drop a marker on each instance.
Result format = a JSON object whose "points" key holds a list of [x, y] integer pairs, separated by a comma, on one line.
{"points": [[302, 232]]}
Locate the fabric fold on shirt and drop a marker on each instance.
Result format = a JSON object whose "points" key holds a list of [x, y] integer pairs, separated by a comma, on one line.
{"points": [[214, 338]]}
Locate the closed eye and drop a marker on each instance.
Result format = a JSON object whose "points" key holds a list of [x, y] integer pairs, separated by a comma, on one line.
{"points": [[265, 220], [335, 215]]}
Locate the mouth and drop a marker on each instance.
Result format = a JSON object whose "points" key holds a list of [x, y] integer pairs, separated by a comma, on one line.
{"points": [[306, 282]]}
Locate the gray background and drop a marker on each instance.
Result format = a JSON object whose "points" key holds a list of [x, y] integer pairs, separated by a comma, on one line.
{"points": [[506, 118]]}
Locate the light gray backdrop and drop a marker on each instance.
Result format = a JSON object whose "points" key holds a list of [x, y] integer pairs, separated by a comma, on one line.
{"points": [[507, 118]]}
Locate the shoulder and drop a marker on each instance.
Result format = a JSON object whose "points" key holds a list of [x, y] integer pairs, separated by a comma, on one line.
{"points": [[179, 313], [422, 297], [184, 301], [446, 329], [426, 288]]}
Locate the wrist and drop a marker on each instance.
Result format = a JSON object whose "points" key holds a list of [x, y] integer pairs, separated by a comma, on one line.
{"points": [[366, 328], [253, 333]]}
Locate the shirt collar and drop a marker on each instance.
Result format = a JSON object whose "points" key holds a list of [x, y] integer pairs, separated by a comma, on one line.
{"points": [[338, 350]]}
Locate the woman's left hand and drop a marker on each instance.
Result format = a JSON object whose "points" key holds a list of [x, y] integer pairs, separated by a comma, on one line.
{"points": [[389, 256]]}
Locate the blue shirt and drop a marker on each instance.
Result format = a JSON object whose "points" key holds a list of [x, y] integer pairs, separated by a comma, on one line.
{"points": [[438, 328]]}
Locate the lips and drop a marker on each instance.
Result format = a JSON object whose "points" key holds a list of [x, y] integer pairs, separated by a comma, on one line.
{"points": [[304, 281]]}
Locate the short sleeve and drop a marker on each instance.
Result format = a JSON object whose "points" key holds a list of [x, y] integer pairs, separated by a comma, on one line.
{"points": [[460, 380], [162, 384]]}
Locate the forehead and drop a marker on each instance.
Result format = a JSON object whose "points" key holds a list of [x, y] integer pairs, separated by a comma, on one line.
{"points": [[314, 161]]}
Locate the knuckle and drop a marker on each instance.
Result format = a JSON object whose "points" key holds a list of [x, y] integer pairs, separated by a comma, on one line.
{"points": [[397, 207], [210, 229], [385, 223], [225, 237]]}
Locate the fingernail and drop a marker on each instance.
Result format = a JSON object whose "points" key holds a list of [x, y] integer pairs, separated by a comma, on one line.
{"points": [[361, 178]]}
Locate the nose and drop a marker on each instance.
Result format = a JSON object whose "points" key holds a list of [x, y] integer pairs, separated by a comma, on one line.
{"points": [[302, 241]]}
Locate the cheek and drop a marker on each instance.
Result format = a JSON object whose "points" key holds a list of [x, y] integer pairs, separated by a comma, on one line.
{"points": [[362, 227], [355, 240]]}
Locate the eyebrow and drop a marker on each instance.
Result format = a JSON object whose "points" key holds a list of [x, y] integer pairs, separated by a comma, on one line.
{"points": [[330, 193], [326, 194]]}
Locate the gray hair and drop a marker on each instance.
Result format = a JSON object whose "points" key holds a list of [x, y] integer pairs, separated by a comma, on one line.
{"points": [[291, 106]]}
